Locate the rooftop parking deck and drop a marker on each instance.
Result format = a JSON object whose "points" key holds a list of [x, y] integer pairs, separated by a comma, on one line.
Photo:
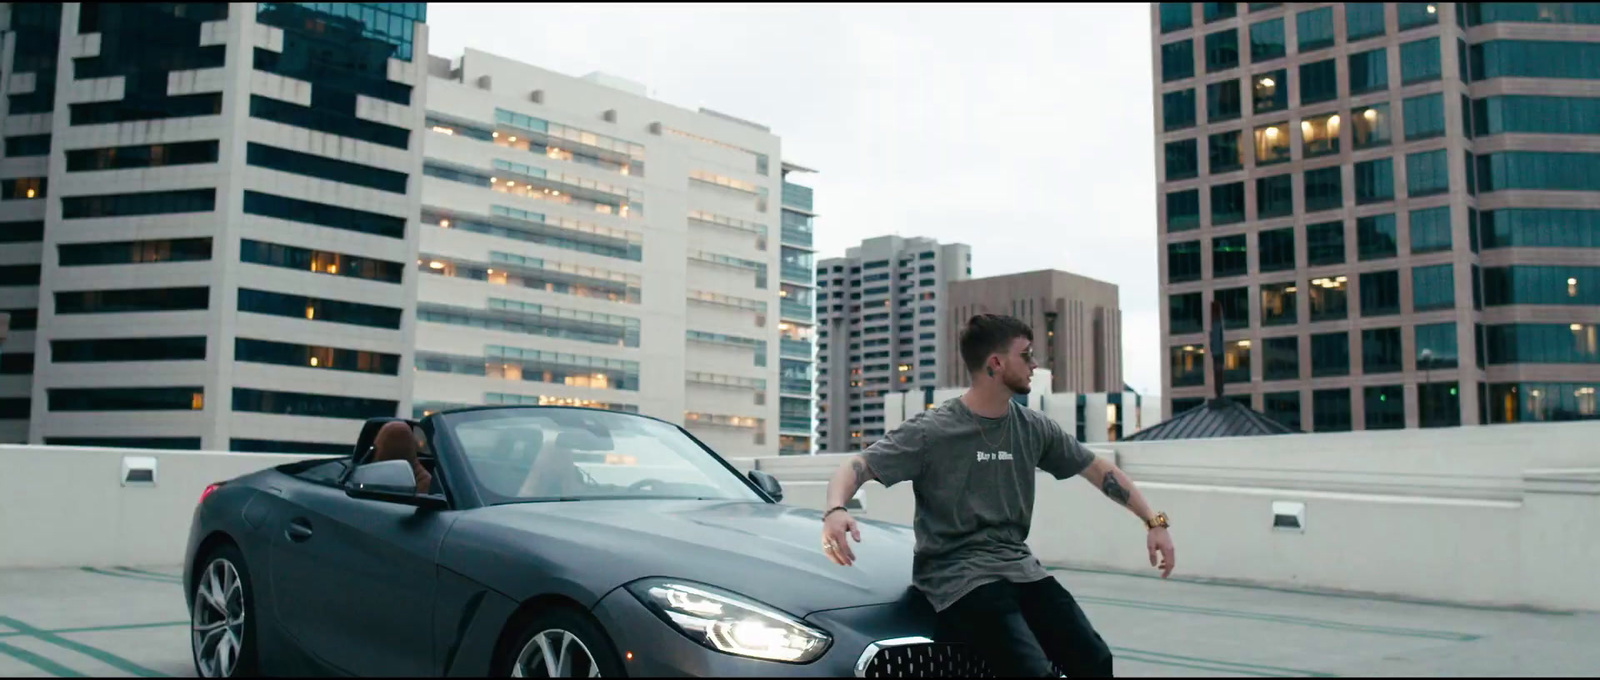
{"points": [[130, 621]]}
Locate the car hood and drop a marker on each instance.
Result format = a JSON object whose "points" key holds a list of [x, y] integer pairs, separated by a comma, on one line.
{"points": [[767, 552]]}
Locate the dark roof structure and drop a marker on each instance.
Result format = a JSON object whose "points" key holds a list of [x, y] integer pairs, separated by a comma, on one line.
{"points": [[1217, 417]]}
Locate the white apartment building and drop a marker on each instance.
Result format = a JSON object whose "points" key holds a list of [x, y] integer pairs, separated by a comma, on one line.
{"points": [[1089, 417], [208, 214], [584, 244], [884, 320]]}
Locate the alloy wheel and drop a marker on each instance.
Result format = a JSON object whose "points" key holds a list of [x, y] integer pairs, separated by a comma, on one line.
{"points": [[217, 622], [555, 654]]}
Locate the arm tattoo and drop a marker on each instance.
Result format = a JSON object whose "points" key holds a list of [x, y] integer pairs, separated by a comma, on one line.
{"points": [[863, 473], [1113, 489]]}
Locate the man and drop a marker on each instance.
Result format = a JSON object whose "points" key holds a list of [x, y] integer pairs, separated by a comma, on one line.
{"points": [[971, 463], [396, 441]]}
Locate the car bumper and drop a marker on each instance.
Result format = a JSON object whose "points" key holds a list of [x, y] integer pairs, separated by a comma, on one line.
{"points": [[660, 650]]}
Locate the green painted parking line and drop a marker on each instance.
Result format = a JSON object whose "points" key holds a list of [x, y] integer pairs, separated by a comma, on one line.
{"points": [[97, 629], [1369, 597], [1327, 624], [1236, 667], [135, 577], [39, 662], [95, 653], [146, 572]]}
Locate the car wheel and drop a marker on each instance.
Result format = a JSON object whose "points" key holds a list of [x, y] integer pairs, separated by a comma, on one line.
{"points": [[221, 625], [559, 643]]}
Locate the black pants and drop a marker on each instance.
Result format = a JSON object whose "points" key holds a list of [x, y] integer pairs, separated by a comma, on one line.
{"points": [[1027, 629]]}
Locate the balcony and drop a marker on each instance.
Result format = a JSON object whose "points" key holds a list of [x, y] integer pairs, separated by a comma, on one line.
{"points": [[794, 423], [798, 386], [795, 349], [795, 309], [797, 273], [799, 237], [796, 197]]}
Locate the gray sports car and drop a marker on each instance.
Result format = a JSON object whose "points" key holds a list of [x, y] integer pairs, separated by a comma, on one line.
{"points": [[653, 557]]}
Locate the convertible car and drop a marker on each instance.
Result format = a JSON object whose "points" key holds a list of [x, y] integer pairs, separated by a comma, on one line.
{"points": [[550, 541]]}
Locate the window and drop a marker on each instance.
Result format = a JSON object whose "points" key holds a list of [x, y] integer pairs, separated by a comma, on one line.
{"points": [[127, 399], [1331, 410], [1436, 346], [162, 443], [134, 252], [1439, 404], [1280, 358], [133, 300], [1414, 14], [1177, 109], [1433, 287], [24, 188], [1177, 60], [1315, 29], [1227, 203], [1535, 59], [1266, 41], [144, 109], [1176, 16], [1183, 210], [1419, 61], [1274, 197], [1329, 295], [1277, 249], [315, 405], [1236, 362], [1283, 407], [1229, 257], [1386, 408], [1540, 228], [1546, 171], [1427, 173], [1272, 144], [1541, 285], [1369, 71], [184, 348], [1363, 20], [1222, 51], [1535, 114], [1539, 402], [1424, 116], [27, 145], [1380, 350], [137, 204], [16, 363], [25, 231], [322, 214], [1183, 261], [1380, 293], [1325, 243], [1188, 366], [1532, 343], [1324, 189], [1217, 11], [1430, 230], [19, 275], [331, 358], [1270, 91], [1225, 154], [1320, 135], [322, 167], [1374, 181], [1183, 160], [1278, 304], [328, 473], [331, 112], [319, 261], [1319, 81], [1330, 355], [1479, 13], [1185, 314], [1376, 237], [1235, 307], [1369, 126], [142, 156], [316, 309]]}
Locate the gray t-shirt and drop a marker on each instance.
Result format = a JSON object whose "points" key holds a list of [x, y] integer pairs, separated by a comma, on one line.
{"points": [[973, 478]]}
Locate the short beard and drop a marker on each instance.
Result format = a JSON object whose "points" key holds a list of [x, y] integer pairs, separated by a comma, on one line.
{"points": [[1025, 388]]}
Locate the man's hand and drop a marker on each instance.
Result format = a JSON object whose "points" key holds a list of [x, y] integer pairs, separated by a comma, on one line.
{"points": [[1160, 541], [834, 544]]}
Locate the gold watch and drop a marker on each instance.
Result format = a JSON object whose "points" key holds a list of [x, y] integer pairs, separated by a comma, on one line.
{"points": [[1160, 520]]}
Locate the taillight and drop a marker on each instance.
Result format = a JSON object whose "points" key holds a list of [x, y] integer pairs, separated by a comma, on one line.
{"points": [[209, 489]]}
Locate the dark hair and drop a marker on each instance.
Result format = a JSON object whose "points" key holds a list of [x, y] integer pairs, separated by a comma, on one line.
{"points": [[986, 334]]}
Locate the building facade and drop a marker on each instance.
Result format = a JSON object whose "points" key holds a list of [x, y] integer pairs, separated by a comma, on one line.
{"points": [[1396, 205], [583, 244], [1088, 417], [207, 243], [1076, 322], [882, 312]]}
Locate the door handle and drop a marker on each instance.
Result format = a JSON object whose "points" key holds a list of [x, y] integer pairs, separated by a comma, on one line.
{"points": [[299, 530]]}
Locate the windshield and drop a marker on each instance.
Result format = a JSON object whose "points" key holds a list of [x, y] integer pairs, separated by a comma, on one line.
{"points": [[548, 454]]}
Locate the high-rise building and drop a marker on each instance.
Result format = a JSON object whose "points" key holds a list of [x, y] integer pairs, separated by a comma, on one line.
{"points": [[1076, 322], [883, 316], [1395, 205], [584, 244], [206, 212]]}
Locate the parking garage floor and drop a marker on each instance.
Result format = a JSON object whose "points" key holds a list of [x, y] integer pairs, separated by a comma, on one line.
{"points": [[130, 621]]}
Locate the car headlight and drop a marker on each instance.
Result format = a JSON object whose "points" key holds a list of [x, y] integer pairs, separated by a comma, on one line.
{"points": [[729, 623]]}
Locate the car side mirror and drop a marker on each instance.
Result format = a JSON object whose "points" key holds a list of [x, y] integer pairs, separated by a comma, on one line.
{"points": [[390, 481], [768, 484]]}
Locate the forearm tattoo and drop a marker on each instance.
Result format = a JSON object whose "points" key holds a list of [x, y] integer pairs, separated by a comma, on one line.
{"points": [[863, 473], [1114, 489]]}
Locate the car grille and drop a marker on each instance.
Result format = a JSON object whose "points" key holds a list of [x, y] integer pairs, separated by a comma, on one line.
{"points": [[927, 660]]}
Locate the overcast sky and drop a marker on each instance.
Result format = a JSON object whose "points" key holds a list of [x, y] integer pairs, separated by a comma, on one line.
{"points": [[1025, 131]]}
